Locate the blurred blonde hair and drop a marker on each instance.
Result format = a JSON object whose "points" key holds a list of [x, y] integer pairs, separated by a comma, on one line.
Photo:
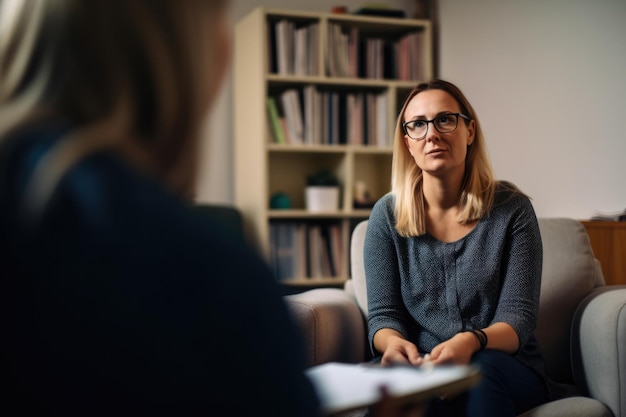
{"points": [[133, 76], [478, 186]]}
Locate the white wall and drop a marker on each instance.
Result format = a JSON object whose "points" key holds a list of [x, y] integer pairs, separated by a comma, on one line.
{"points": [[548, 81], [547, 78]]}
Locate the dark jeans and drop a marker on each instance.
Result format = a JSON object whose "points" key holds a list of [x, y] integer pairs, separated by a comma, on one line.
{"points": [[507, 388]]}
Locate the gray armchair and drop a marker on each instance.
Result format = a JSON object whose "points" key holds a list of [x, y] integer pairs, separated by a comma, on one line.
{"points": [[581, 323]]}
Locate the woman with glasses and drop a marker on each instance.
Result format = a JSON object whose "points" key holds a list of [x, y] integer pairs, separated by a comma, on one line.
{"points": [[453, 260]]}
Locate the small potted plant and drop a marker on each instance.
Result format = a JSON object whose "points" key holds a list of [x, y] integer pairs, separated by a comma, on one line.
{"points": [[322, 191]]}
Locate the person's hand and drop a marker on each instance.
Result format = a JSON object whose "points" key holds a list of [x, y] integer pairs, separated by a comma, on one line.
{"points": [[458, 350], [400, 350], [387, 406]]}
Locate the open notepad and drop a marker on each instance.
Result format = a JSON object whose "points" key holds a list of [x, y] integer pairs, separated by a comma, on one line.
{"points": [[344, 387]]}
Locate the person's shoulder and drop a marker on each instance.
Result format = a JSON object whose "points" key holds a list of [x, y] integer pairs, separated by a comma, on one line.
{"points": [[384, 204], [148, 208], [506, 192], [382, 217], [512, 204], [116, 207]]}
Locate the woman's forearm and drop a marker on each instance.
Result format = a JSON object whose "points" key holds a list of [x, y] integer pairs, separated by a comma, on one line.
{"points": [[501, 336]]}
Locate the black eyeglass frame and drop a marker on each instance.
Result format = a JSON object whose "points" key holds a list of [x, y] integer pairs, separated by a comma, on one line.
{"points": [[457, 115]]}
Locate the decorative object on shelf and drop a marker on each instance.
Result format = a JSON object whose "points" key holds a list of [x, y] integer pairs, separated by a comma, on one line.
{"points": [[339, 9], [423, 9], [379, 10], [280, 201], [322, 191], [362, 197]]}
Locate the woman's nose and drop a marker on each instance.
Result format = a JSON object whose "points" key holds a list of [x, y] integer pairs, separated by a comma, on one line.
{"points": [[432, 134]]}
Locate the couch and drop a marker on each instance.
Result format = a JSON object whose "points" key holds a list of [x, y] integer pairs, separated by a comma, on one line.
{"points": [[581, 324]]}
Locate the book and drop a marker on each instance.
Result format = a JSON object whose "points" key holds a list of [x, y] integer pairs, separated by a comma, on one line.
{"points": [[301, 249], [300, 44], [290, 100], [338, 52], [282, 35], [336, 248], [313, 49], [310, 121], [344, 387], [284, 253], [275, 121], [609, 217], [314, 240], [353, 52], [382, 119]]}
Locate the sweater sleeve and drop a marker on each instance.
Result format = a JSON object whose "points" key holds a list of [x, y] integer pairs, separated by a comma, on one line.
{"points": [[521, 266], [384, 297]]}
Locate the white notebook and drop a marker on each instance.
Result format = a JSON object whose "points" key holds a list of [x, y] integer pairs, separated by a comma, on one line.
{"points": [[344, 387]]}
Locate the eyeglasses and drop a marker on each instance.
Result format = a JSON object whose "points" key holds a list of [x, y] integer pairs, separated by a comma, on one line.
{"points": [[445, 123]]}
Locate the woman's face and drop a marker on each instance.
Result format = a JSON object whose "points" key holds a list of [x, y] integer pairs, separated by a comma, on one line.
{"points": [[438, 154]]}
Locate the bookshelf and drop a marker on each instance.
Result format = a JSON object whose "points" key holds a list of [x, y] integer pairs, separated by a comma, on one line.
{"points": [[347, 75]]}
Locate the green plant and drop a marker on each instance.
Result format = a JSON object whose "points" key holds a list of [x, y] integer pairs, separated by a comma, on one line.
{"points": [[323, 177]]}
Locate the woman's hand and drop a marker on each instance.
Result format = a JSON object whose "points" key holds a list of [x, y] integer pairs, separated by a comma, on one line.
{"points": [[400, 350], [458, 350]]}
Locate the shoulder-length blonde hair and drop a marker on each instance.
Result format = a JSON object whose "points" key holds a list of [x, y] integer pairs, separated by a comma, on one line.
{"points": [[478, 186], [134, 76]]}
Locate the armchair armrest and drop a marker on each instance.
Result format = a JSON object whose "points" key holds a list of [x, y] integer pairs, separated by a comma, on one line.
{"points": [[331, 323], [599, 344]]}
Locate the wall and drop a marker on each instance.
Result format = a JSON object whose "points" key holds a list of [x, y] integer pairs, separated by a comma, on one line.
{"points": [[547, 78], [548, 81]]}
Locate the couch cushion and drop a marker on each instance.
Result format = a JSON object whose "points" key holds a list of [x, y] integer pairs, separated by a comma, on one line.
{"points": [[569, 274], [570, 407]]}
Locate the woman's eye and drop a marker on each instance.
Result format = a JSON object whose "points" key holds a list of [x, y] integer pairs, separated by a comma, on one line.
{"points": [[416, 124], [444, 120]]}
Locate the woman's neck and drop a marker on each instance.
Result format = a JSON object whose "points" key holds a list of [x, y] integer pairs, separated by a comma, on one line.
{"points": [[442, 194]]}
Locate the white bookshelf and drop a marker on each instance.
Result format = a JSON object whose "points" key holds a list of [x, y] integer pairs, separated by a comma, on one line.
{"points": [[264, 167]]}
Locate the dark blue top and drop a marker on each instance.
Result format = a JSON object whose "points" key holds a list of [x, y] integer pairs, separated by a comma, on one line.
{"points": [[121, 301], [429, 290]]}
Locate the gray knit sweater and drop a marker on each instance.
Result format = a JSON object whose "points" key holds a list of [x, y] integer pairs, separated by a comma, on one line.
{"points": [[429, 290]]}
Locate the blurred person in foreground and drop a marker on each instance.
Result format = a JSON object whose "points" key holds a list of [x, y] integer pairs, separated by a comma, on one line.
{"points": [[116, 299]]}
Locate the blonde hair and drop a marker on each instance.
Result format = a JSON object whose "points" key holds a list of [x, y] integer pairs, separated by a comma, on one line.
{"points": [[478, 186], [133, 76]]}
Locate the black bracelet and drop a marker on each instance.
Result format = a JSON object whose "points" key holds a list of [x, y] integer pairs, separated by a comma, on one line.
{"points": [[482, 338]]}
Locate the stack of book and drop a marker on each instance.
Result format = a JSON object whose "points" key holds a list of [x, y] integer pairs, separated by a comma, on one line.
{"points": [[619, 216], [305, 249], [352, 54], [322, 117], [293, 48]]}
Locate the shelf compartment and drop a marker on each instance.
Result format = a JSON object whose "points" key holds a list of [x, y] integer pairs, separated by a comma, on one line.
{"points": [[288, 172]]}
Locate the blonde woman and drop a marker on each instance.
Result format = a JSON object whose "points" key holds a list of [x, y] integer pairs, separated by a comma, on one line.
{"points": [[453, 260], [116, 299]]}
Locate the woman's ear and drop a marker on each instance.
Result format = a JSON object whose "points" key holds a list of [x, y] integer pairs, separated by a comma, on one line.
{"points": [[471, 132], [406, 143]]}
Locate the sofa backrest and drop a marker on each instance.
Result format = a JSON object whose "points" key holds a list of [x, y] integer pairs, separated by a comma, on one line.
{"points": [[570, 272]]}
